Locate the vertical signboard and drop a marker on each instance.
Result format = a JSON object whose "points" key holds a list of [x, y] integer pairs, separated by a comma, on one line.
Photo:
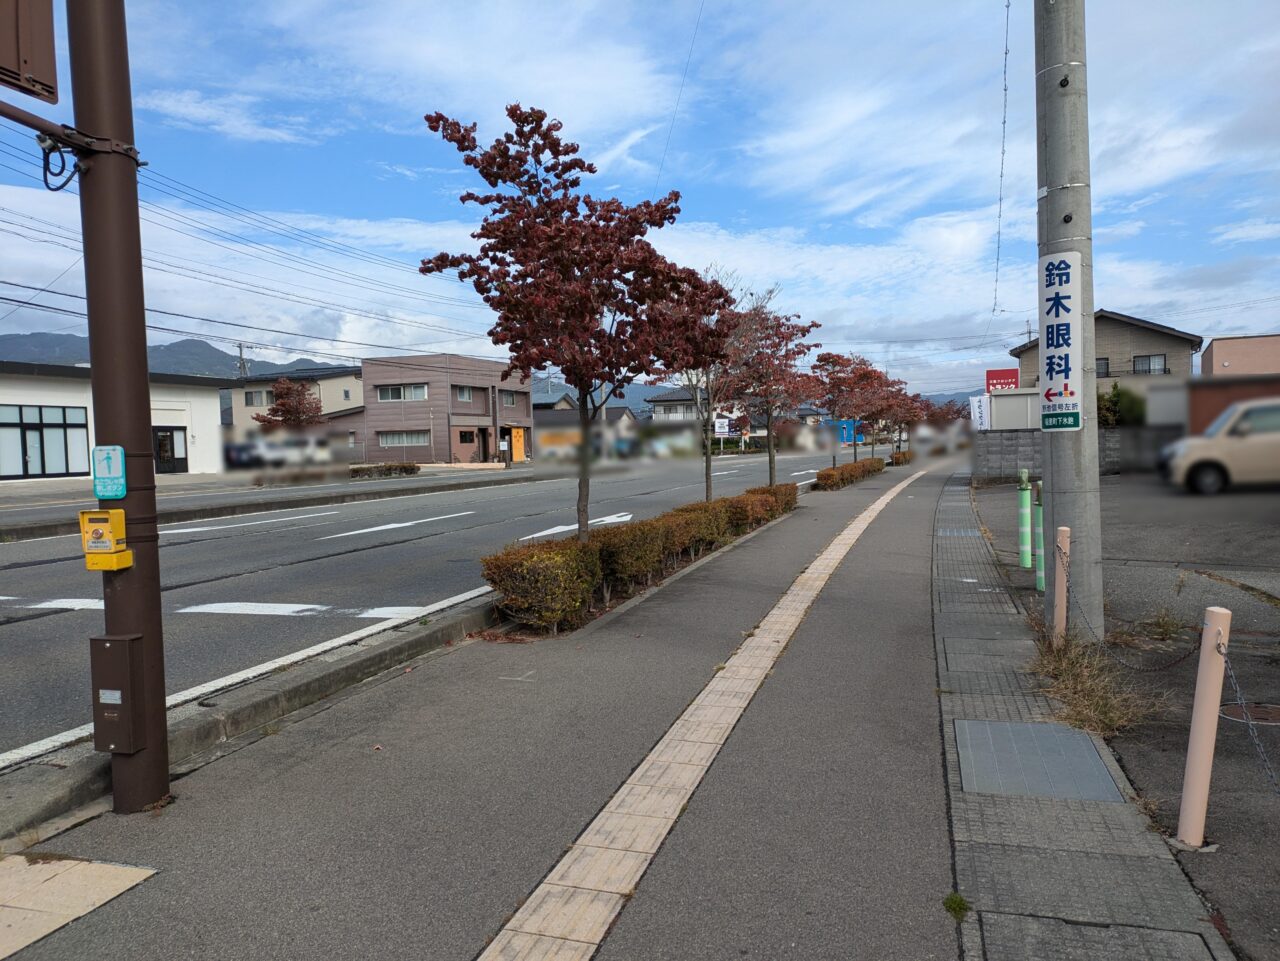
{"points": [[1061, 339], [980, 412]]}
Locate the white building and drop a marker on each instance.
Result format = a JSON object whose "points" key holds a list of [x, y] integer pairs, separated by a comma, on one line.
{"points": [[46, 422]]}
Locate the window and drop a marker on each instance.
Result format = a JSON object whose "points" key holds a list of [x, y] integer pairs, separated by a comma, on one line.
{"points": [[464, 394], [351, 438], [404, 438], [43, 441], [1261, 420], [1103, 367], [508, 398], [688, 410], [403, 392], [346, 393], [259, 398], [466, 437], [1149, 364]]}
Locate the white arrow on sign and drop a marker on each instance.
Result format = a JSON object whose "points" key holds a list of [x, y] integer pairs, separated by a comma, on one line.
{"points": [[564, 528]]}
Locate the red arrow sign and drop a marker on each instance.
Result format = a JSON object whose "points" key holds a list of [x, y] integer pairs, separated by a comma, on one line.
{"points": [[1048, 395]]}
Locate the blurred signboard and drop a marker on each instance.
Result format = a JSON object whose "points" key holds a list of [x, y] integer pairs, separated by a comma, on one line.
{"points": [[27, 59], [1002, 378], [722, 427]]}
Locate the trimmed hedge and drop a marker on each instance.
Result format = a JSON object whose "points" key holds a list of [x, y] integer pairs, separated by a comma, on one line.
{"points": [[834, 478], [551, 584], [547, 585], [384, 470], [902, 457]]}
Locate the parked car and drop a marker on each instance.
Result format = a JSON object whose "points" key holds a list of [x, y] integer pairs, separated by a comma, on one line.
{"points": [[1241, 446], [241, 456]]}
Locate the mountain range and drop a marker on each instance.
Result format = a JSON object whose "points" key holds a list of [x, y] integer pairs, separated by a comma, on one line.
{"points": [[189, 356]]}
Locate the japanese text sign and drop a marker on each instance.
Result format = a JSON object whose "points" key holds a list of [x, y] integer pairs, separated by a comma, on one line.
{"points": [[1061, 341]]}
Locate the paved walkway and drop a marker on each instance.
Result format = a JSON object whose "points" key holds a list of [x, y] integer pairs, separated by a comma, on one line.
{"points": [[1055, 859]]}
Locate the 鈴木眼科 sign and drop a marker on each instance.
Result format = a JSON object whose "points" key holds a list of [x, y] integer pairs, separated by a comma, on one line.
{"points": [[1061, 341]]}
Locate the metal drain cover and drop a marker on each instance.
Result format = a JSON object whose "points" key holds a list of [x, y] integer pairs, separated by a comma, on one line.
{"points": [[1261, 713]]}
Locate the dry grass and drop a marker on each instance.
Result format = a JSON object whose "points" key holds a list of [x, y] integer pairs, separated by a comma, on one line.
{"points": [[1163, 625], [1094, 694]]}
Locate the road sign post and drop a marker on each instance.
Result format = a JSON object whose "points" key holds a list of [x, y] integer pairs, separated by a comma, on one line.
{"points": [[1066, 373]]}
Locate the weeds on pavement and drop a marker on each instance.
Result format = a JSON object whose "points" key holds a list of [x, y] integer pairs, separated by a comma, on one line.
{"points": [[957, 906], [1094, 695]]}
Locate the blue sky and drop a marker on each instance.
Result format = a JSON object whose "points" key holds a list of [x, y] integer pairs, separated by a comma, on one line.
{"points": [[848, 152]]}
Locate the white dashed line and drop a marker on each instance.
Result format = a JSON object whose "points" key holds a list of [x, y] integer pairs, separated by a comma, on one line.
{"points": [[252, 608], [391, 527], [273, 520], [69, 604]]}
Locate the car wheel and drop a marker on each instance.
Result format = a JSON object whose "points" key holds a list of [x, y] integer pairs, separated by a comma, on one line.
{"points": [[1207, 479]]}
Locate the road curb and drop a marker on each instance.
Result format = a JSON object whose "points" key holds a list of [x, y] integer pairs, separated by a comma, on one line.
{"points": [[22, 532], [40, 791]]}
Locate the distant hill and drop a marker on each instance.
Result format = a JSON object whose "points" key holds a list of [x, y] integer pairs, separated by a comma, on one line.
{"points": [[190, 356], [960, 395]]}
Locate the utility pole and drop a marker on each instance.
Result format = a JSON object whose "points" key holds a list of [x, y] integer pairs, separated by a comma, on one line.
{"points": [[99, 55], [242, 365], [1064, 215]]}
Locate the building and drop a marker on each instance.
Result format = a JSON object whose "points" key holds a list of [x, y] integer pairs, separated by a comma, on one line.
{"points": [[337, 387], [674, 404], [438, 408], [545, 401], [46, 422], [557, 431], [1128, 351], [1241, 356]]}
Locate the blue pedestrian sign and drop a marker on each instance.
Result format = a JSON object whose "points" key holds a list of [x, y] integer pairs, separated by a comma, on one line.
{"points": [[108, 473]]}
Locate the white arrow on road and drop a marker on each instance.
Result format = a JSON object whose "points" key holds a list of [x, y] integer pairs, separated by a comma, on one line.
{"points": [[564, 528], [390, 527], [797, 473]]}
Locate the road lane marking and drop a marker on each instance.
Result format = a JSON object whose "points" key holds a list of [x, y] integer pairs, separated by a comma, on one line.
{"points": [[382, 613], [84, 731], [721, 473], [272, 520], [69, 604], [569, 914], [598, 522], [799, 473], [253, 608], [811, 480], [391, 527]]}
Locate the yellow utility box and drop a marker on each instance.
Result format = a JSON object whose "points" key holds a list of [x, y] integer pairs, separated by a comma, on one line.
{"points": [[102, 534]]}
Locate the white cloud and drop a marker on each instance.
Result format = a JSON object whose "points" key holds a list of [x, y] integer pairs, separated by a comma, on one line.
{"points": [[235, 115], [1248, 231]]}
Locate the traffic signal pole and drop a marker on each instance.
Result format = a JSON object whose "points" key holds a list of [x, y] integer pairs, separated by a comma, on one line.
{"points": [[99, 56], [1065, 221]]}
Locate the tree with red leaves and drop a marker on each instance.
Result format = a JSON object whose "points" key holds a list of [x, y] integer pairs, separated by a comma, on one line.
{"points": [[573, 282], [763, 374], [844, 383], [293, 407]]}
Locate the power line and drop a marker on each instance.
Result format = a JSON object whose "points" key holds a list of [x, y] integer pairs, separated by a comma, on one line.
{"points": [[676, 109], [1004, 132], [62, 273]]}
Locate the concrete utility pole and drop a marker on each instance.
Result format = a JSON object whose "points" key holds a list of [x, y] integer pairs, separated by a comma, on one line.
{"points": [[99, 55], [1064, 213]]}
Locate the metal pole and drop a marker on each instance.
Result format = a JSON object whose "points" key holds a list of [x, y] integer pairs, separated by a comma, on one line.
{"points": [[1064, 213], [1204, 726], [1061, 595], [1024, 519], [99, 55], [1037, 527]]}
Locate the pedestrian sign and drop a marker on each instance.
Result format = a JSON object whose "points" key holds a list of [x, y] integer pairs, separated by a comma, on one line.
{"points": [[1061, 341], [108, 473]]}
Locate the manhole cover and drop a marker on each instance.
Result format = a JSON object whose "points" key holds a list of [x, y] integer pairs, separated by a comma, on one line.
{"points": [[1261, 713]]}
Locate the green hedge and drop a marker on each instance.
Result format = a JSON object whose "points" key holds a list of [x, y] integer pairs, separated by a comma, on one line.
{"points": [[834, 478], [551, 584], [384, 470]]}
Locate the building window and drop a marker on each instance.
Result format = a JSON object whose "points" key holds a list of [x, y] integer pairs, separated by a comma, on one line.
{"points": [[1149, 364], [43, 441], [1103, 367], [508, 398], [351, 438], [466, 437], [259, 398], [346, 393], [688, 410], [464, 394], [404, 438], [403, 392]]}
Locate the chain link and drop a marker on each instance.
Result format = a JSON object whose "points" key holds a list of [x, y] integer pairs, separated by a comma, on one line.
{"points": [[1263, 759], [1101, 644], [1248, 720]]}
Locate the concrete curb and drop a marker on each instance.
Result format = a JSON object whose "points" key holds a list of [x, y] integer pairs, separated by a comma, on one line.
{"points": [[40, 791], [21, 532]]}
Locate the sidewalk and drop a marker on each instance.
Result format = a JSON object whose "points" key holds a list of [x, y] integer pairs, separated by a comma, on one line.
{"points": [[414, 816], [1054, 858]]}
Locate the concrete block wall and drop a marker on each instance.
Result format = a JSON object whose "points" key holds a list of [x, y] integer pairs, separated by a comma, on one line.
{"points": [[1000, 454]]}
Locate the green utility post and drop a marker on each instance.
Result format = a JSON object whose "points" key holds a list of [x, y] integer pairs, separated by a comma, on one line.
{"points": [[1024, 519], [1039, 534]]}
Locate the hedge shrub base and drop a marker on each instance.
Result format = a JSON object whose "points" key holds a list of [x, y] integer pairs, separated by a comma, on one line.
{"points": [[834, 478], [551, 584], [384, 470], [902, 457]]}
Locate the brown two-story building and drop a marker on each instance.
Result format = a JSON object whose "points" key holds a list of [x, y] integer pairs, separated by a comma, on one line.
{"points": [[439, 408]]}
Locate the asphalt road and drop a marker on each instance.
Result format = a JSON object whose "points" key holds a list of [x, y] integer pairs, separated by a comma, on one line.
{"points": [[238, 591]]}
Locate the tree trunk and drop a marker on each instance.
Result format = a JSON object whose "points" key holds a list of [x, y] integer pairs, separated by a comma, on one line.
{"points": [[584, 462], [768, 438], [873, 442], [706, 453]]}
